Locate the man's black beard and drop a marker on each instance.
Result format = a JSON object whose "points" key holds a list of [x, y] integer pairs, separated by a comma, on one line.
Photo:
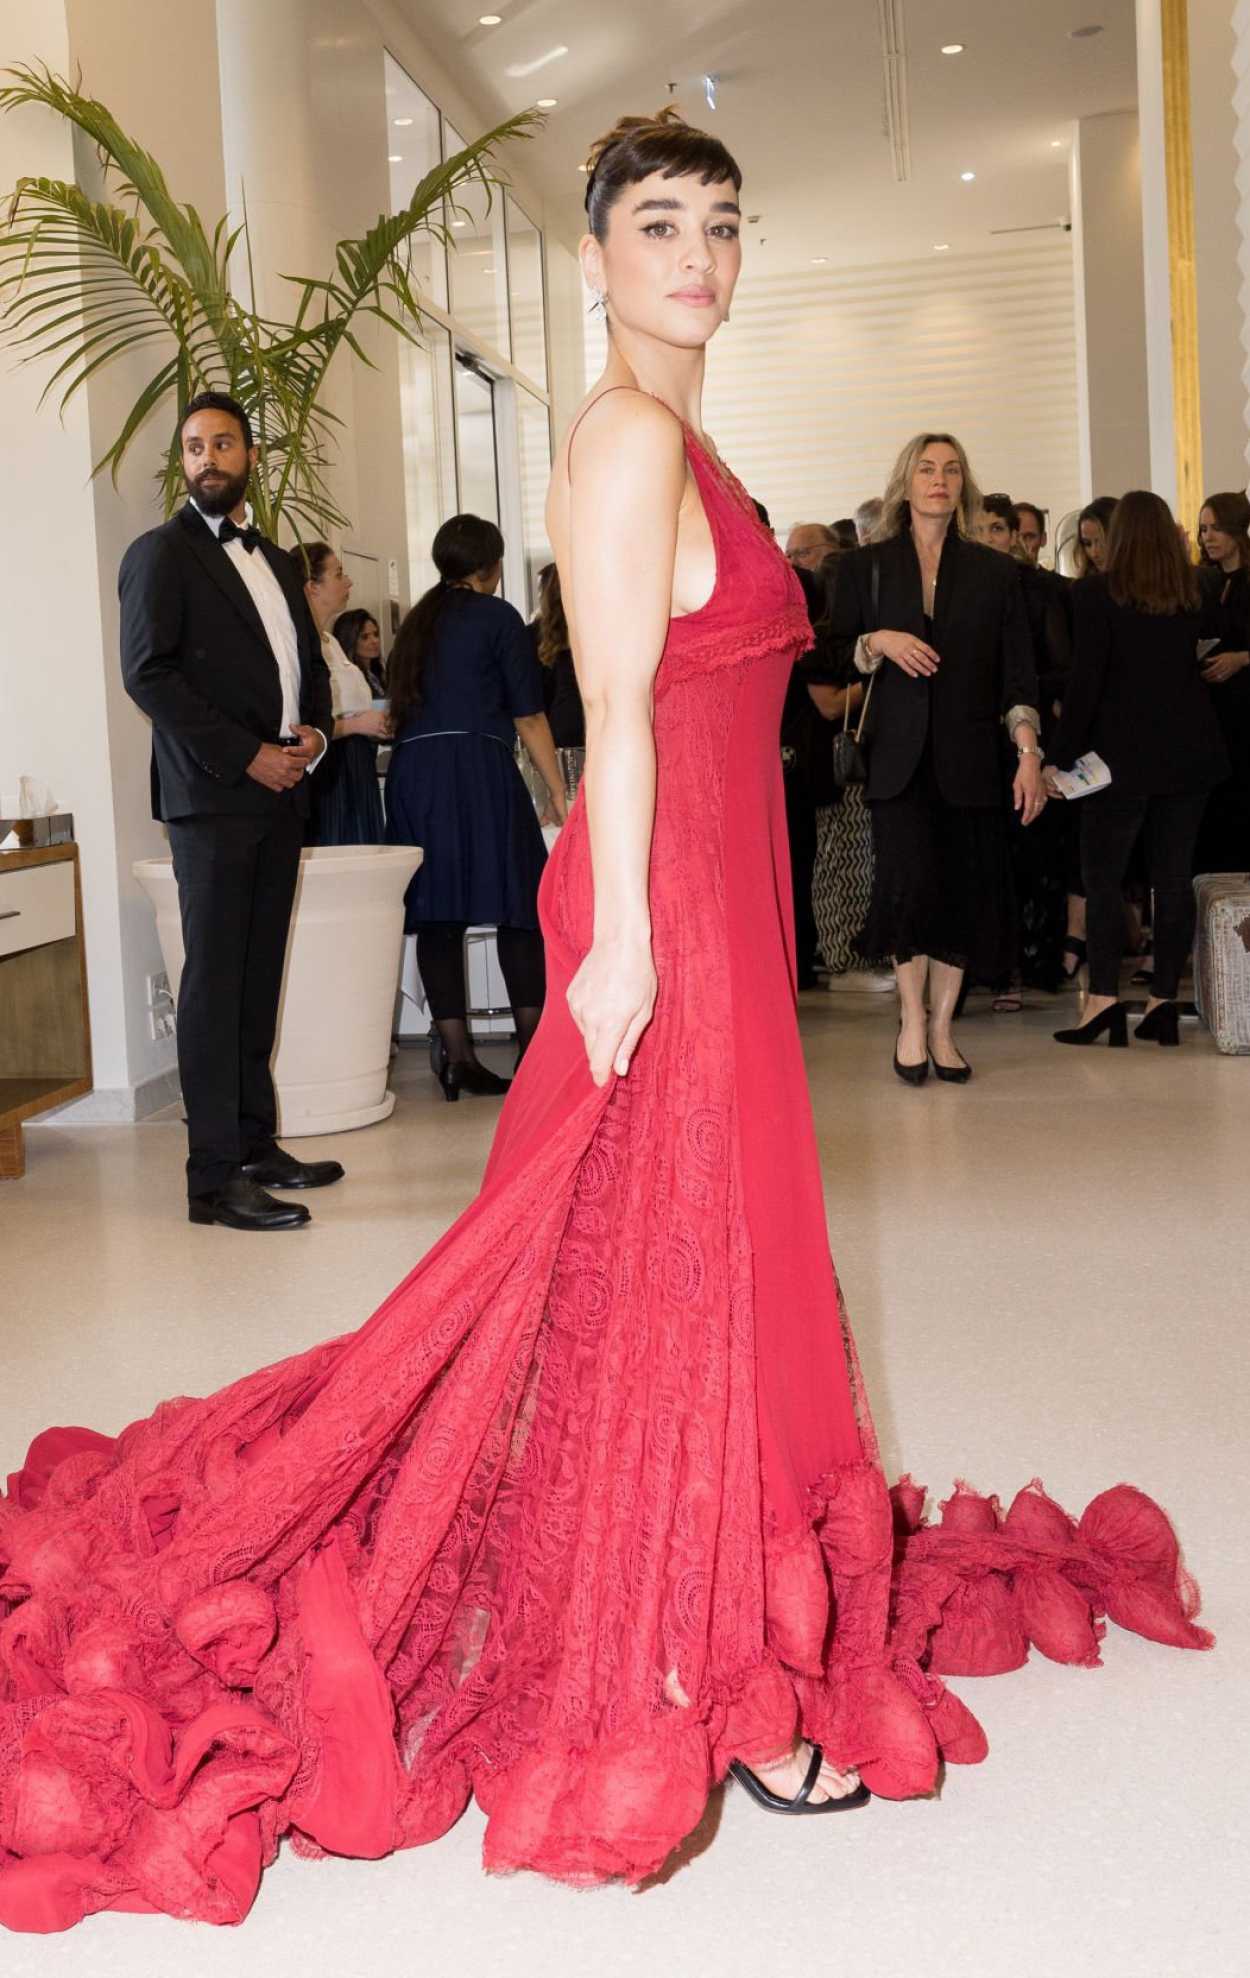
{"points": [[224, 497]]}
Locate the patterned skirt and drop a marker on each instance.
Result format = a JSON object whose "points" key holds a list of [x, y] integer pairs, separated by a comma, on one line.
{"points": [[842, 882]]}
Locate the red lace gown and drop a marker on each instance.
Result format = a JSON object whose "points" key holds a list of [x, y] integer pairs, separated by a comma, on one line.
{"points": [[610, 1428]]}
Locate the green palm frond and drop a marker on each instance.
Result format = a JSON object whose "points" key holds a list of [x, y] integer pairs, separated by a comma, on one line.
{"points": [[84, 282]]}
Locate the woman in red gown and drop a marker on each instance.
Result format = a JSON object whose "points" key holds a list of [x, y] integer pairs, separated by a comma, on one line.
{"points": [[591, 1507]]}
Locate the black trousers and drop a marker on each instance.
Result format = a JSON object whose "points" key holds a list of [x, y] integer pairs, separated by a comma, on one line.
{"points": [[1110, 825], [236, 887], [801, 828], [440, 960]]}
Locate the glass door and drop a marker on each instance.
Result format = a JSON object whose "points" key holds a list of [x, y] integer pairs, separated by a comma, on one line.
{"points": [[475, 440]]}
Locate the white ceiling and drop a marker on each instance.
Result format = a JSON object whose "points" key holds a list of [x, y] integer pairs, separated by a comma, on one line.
{"points": [[800, 105]]}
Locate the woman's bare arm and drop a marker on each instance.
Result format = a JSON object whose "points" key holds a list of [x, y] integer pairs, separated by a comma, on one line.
{"points": [[626, 481]]}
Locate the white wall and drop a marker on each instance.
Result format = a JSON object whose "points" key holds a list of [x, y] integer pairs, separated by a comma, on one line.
{"points": [[58, 663], [817, 381], [1110, 305], [1213, 123]]}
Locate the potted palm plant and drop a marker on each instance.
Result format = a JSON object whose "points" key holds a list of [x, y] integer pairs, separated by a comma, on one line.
{"points": [[85, 282]]}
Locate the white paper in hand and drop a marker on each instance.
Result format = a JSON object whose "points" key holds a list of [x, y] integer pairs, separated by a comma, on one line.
{"points": [[1087, 774]]}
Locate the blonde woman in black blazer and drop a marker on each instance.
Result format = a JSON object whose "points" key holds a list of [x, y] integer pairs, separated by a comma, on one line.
{"points": [[939, 621]]}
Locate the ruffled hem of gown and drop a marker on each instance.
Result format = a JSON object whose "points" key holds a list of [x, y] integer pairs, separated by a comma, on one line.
{"points": [[113, 1798]]}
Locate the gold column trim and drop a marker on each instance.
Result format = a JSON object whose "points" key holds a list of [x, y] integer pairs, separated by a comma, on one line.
{"points": [[1182, 270]]}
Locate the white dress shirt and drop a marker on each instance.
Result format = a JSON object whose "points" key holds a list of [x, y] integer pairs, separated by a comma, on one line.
{"points": [[351, 692], [275, 615]]}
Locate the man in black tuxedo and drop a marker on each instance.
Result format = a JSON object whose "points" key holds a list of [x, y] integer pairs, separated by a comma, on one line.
{"points": [[219, 649]]}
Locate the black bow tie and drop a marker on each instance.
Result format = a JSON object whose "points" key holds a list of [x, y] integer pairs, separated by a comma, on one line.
{"points": [[230, 532]]}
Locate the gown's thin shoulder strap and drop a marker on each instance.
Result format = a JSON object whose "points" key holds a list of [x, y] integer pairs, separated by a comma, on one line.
{"points": [[568, 452]]}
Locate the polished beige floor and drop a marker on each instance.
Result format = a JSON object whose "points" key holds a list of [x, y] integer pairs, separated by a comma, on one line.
{"points": [[1049, 1272]]}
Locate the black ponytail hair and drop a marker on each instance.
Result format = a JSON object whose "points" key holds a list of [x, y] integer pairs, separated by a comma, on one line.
{"points": [[463, 548]]}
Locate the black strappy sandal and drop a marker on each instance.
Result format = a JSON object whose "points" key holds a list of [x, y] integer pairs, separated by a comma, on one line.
{"points": [[802, 1801]]}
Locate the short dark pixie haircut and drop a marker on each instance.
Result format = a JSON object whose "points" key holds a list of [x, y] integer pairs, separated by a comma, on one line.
{"points": [[1005, 508], [216, 401], [637, 146]]}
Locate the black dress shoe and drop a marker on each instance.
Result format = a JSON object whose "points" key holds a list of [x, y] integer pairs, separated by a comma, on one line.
{"points": [[278, 1169], [1111, 1023], [953, 1074], [241, 1204], [1161, 1025], [457, 1075]]}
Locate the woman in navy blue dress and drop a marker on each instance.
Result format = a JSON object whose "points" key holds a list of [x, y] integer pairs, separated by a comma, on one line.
{"points": [[464, 683]]}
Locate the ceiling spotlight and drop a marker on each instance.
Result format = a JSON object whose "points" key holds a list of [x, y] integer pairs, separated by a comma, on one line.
{"points": [[459, 223], [941, 247], [583, 168], [820, 260], [952, 48], [967, 177], [1056, 144], [395, 158], [1084, 33], [402, 123], [547, 102], [489, 20]]}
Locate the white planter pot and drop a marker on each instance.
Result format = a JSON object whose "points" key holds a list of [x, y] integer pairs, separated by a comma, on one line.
{"points": [[338, 987]]}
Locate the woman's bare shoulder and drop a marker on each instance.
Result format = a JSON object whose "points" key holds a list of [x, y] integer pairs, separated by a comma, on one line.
{"points": [[622, 423]]}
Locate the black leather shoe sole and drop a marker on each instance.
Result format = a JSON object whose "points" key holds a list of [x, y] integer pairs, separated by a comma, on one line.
{"points": [[293, 1217], [305, 1174]]}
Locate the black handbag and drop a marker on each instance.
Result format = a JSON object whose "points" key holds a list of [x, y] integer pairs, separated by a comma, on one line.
{"points": [[850, 747]]}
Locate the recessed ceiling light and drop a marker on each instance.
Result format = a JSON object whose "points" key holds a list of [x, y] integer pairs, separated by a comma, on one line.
{"points": [[547, 102], [395, 158], [820, 260], [402, 123], [583, 168], [941, 247], [967, 177], [1084, 33], [489, 20], [459, 223], [489, 269], [952, 48]]}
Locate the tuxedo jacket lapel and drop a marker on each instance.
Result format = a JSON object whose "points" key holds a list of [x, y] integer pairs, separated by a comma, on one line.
{"points": [[911, 593], [950, 569], [222, 571]]}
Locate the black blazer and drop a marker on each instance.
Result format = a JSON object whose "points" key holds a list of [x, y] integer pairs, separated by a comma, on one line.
{"points": [[1137, 698], [1048, 611], [981, 635], [196, 659]]}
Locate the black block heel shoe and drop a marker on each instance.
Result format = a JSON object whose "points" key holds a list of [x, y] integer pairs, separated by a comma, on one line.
{"points": [[1111, 1023], [455, 1077], [1161, 1025], [802, 1801], [911, 1074]]}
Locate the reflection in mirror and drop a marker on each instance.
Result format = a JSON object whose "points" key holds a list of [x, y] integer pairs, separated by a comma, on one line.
{"points": [[412, 149], [525, 292], [534, 456], [478, 260], [428, 417]]}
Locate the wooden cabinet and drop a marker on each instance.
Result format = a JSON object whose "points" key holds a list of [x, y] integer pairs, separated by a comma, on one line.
{"points": [[45, 1035]]}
